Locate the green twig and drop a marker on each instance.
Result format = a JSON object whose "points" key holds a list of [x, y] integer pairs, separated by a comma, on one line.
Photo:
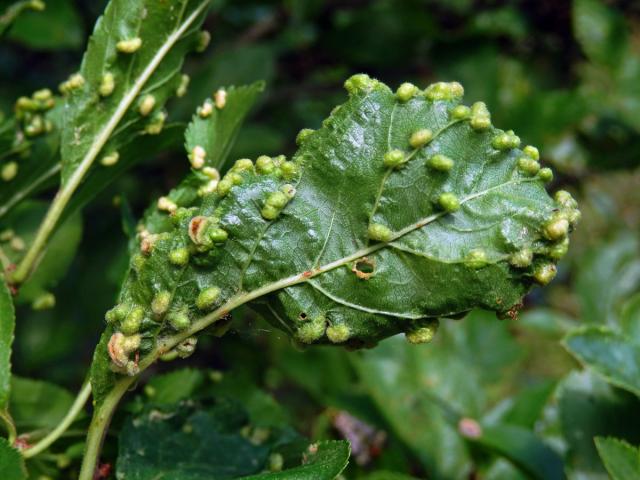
{"points": [[99, 425], [71, 415]]}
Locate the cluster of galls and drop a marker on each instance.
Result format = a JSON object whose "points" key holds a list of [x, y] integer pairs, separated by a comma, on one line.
{"points": [[317, 327], [541, 259], [135, 325], [479, 119], [30, 113]]}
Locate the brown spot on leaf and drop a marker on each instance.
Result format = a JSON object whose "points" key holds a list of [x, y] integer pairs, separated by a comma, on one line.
{"points": [[364, 268]]}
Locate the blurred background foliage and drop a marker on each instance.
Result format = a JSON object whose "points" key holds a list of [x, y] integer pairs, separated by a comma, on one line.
{"points": [[564, 75]]}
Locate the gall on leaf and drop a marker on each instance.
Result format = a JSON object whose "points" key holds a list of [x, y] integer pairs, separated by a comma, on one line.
{"points": [[437, 245]]}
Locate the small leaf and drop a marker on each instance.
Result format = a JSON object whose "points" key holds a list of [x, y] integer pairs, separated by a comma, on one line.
{"points": [[11, 462], [322, 461], [621, 459], [217, 132], [36, 404], [610, 354], [7, 326], [524, 450]]}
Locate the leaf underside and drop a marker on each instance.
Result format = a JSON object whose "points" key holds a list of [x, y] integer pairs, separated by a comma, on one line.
{"points": [[314, 271]]}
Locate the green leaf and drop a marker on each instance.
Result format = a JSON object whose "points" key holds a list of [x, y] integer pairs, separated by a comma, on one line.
{"points": [[621, 459], [37, 405], [523, 409], [11, 462], [357, 250], [190, 442], [600, 30], [322, 461], [409, 388], [97, 123], [11, 13], [217, 132], [59, 27], [610, 354], [524, 450], [175, 386], [606, 276], [630, 318], [7, 327], [590, 407], [37, 156], [61, 249]]}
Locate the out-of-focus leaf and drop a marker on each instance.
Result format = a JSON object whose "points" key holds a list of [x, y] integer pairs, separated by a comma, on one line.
{"points": [[524, 450], [610, 354], [606, 275], [590, 407], [385, 475], [58, 27], [423, 391], [600, 30], [10, 13], [630, 318], [7, 327], [503, 21], [322, 461], [262, 408], [11, 462], [172, 387], [401, 380], [36, 404], [611, 84], [621, 459], [502, 469], [193, 442], [523, 409], [547, 321], [24, 220]]}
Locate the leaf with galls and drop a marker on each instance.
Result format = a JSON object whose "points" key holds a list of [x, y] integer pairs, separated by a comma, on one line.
{"points": [[401, 209]]}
